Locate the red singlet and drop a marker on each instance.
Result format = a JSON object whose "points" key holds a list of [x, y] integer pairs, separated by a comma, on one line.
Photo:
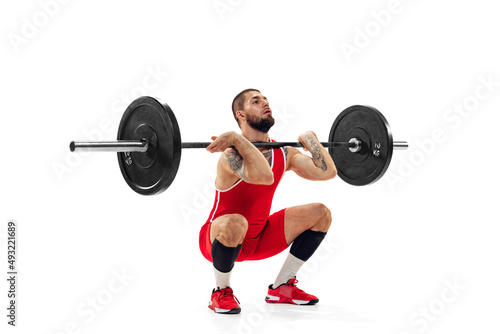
{"points": [[265, 236]]}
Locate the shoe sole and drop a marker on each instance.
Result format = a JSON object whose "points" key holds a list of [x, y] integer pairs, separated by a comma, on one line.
{"points": [[221, 311], [311, 302]]}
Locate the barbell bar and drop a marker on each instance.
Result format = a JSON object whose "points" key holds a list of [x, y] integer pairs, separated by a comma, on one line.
{"points": [[142, 145], [149, 145], [110, 146]]}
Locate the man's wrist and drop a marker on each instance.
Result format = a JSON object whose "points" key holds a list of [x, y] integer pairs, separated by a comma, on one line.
{"points": [[309, 139]]}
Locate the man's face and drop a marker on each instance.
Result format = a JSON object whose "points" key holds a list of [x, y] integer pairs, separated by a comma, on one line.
{"points": [[257, 112]]}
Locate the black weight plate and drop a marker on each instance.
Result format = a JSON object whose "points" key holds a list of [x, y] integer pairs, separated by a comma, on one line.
{"points": [[150, 172], [370, 163]]}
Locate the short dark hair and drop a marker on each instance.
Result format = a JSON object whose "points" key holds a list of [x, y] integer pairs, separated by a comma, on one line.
{"points": [[239, 101]]}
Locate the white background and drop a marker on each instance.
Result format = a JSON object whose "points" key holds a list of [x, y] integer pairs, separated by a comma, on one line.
{"points": [[69, 70]]}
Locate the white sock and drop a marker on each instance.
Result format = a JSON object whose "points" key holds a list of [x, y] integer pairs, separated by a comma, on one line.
{"points": [[289, 270], [222, 279]]}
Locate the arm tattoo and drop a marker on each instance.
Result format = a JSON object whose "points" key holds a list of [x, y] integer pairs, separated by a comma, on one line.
{"points": [[268, 156], [285, 149], [235, 161], [287, 165], [317, 156]]}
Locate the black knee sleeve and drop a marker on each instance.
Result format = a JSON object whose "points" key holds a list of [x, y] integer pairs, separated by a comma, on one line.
{"points": [[306, 244], [223, 257]]}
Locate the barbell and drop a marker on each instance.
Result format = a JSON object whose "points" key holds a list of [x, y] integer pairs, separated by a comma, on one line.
{"points": [[149, 145]]}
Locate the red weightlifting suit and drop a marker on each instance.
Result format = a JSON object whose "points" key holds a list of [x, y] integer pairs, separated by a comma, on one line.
{"points": [[266, 234]]}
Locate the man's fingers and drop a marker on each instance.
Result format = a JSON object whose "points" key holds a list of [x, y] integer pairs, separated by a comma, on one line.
{"points": [[216, 146], [303, 144], [213, 144], [213, 149]]}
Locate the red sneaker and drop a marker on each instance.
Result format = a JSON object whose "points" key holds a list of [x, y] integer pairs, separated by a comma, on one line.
{"points": [[224, 301], [289, 293]]}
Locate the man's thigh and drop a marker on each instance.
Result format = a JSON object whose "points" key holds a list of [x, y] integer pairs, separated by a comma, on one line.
{"points": [[301, 218]]}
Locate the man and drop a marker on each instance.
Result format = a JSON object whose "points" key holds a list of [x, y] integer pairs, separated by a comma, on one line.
{"points": [[239, 226]]}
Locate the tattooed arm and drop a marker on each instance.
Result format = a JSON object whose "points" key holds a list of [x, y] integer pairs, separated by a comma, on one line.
{"points": [[318, 167], [245, 161]]}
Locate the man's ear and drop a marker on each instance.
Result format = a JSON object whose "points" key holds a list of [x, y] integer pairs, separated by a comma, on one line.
{"points": [[240, 114]]}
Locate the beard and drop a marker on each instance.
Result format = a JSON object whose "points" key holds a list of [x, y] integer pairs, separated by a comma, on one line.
{"points": [[260, 124]]}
